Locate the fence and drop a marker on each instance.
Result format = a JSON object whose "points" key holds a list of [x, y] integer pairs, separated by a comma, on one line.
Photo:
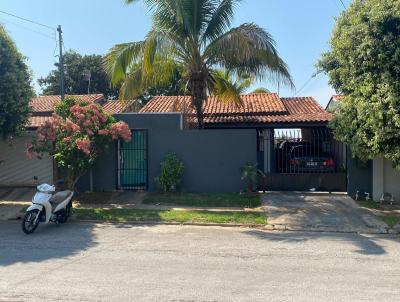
{"points": [[302, 159]]}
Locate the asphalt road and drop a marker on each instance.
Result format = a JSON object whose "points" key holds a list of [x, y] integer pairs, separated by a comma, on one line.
{"points": [[88, 262]]}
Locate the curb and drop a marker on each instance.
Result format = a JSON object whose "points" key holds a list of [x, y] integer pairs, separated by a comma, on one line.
{"points": [[267, 227], [283, 228], [228, 225]]}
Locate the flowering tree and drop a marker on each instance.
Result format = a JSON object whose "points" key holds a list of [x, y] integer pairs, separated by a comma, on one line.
{"points": [[78, 133]]}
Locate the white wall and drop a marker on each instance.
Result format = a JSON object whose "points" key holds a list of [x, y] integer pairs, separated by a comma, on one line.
{"points": [[385, 179]]}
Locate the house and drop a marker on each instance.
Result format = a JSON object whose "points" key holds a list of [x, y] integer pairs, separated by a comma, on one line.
{"points": [[376, 176], [15, 168], [334, 102], [287, 137]]}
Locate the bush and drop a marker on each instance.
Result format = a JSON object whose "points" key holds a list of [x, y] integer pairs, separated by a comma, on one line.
{"points": [[249, 172], [171, 175]]}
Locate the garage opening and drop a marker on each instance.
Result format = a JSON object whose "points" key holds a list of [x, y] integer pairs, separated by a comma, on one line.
{"points": [[302, 159]]}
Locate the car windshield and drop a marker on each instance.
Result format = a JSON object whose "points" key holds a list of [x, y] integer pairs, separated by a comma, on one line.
{"points": [[305, 150]]}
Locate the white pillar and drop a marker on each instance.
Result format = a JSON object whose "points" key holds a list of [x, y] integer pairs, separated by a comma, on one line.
{"points": [[377, 178]]}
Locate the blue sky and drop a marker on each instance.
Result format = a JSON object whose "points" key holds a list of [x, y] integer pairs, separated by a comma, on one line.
{"points": [[301, 29]]}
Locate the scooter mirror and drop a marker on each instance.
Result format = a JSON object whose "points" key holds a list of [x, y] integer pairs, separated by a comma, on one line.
{"points": [[60, 182]]}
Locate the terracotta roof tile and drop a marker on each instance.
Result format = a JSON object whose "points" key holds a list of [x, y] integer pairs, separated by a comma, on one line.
{"points": [[42, 107], [337, 98], [257, 109], [113, 107], [252, 104], [36, 121], [47, 103]]}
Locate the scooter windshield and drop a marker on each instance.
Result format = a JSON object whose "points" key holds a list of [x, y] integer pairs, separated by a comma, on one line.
{"points": [[45, 188]]}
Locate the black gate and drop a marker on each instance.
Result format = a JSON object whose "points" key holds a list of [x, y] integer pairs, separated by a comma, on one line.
{"points": [[132, 164], [302, 159]]}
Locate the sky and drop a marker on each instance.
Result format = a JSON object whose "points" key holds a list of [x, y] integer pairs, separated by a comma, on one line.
{"points": [[302, 30]]}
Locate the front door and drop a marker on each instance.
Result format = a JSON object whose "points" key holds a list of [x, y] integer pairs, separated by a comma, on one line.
{"points": [[132, 165]]}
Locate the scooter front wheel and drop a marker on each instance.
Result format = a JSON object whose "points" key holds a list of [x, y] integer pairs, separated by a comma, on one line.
{"points": [[30, 221]]}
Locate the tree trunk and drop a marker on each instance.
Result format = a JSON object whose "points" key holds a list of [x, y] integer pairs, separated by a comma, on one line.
{"points": [[198, 103], [197, 87]]}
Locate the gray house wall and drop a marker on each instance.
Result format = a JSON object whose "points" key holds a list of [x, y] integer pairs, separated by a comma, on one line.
{"points": [[212, 158], [359, 175]]}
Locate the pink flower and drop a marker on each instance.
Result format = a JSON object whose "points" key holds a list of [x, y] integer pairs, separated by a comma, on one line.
{"points": [[121, 130], [71, 126], [103, 132], [30, 153], [47, 132], [87, 123], [83, 145]]}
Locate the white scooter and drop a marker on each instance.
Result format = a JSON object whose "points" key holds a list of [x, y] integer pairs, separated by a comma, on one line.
{"points": [[47, 205]]}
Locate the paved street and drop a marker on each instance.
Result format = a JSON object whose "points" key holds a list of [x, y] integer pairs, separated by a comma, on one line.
{"points": [[88, 262]]}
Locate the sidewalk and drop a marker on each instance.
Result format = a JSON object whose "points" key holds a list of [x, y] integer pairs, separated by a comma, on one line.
{"points": [[13, 202]]}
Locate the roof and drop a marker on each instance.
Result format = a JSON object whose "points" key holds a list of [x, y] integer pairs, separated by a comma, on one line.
{"points": [[46, 103], [333, 102], [263, 108], [36, 121], [42, 107], [337, 97], [252, 104], [113, 106]]}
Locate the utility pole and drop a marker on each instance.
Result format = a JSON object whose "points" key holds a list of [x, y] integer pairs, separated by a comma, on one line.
{"points": [[61, 62]]}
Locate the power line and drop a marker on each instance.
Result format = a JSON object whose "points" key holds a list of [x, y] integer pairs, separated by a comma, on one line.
{"points": [[344, 6], [27, 20], [27, 28], [313, 76]]}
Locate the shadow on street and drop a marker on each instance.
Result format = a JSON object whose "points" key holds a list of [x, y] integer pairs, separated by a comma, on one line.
{"points": [[366, 245], [47, 242]]}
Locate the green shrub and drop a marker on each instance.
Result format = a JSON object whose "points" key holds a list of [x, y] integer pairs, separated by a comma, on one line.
{"points": [[249, 172], [171, 175]]}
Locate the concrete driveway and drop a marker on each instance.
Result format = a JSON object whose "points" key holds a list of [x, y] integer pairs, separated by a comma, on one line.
{"points": [[94, 262], [319, 212]]}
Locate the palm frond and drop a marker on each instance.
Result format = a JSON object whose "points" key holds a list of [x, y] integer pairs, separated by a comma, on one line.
{"points": [[249, 50], [138, 80], [118, 60], [220, 21], [225, 88], [260, 90]]}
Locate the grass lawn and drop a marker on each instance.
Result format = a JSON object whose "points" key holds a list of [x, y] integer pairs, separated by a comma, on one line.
{"points": [[126, 215], [204, 200], [370, 204], [391, 220]]}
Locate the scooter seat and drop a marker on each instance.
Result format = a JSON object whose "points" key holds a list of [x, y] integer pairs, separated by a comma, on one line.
{"points": [[59, 197]]}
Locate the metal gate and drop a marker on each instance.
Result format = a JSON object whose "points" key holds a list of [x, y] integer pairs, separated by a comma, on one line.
{"points": [[132, 163], [302, 159]]}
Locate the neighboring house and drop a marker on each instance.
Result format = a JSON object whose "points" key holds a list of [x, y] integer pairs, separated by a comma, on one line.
{"points": [[16, 169], [234, 135], [334, 102], [375, 176]]}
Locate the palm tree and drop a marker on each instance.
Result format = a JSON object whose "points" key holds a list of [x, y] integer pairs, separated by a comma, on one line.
{"points": [[261, 90], [195, 36]]}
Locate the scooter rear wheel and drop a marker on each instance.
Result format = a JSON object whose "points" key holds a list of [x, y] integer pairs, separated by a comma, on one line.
{"points": [[28, 223]]}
